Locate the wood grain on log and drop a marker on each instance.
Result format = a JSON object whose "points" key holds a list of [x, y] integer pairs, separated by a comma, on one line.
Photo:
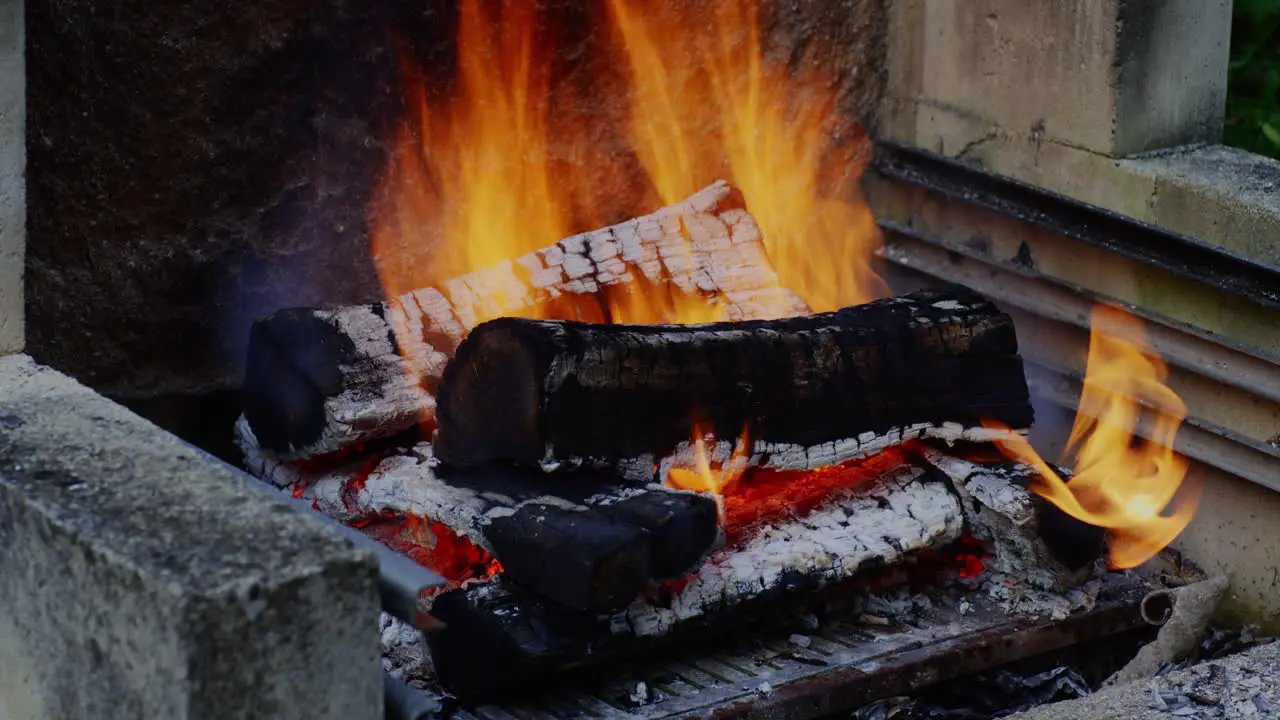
{"points": [[584, 540], [319, 380], [544, 391], [498, 640]]}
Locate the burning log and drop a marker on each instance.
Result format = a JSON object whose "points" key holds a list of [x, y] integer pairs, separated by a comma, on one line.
{"points": [[498, 640], [584, 540], [1031, 538], [318, 381], [806, 389]]}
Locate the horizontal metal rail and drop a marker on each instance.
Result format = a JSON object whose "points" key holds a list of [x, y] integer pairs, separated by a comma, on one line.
{"points": [[401, 581], [1178, 254], [1055, 307]]}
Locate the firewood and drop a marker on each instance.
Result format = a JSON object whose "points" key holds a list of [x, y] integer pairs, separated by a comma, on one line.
{"points": [[498, 640], [320, 380], [554, 392], [584, 540], [1031, 538]]}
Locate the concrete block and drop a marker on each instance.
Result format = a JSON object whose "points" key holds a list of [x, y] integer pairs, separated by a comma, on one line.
{"points": [[1222, 195], [1243, 685], [1111, 77], [1234, 534], [143, 579], [13, 161]]}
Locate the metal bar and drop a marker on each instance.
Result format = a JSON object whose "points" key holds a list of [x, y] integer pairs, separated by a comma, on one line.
{"points": [[1179, 343], [1177, 254], [401, 581], [1049, 302], [842, 689]]}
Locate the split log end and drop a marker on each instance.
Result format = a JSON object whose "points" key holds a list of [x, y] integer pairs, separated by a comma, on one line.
{"points": [[683, 528], [493, 368], [578, 558], [294, 364]]}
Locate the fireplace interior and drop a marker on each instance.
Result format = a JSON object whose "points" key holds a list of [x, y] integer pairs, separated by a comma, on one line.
{"points": [[637, 374]]}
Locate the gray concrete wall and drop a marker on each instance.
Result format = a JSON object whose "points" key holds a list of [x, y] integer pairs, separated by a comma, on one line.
{"points": [[13, 158], [139, 578], [1112, 77], [1116, 103]]}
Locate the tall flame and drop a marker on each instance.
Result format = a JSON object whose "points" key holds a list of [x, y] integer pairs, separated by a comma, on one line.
{"points": [[1123, 481], [499, 165], [470, 182], [707, 103]]}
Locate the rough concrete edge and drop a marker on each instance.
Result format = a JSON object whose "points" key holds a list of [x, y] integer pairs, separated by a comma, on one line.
{"points": [[1133, 701], [1222, 195], [13, 162], [275, 631]]}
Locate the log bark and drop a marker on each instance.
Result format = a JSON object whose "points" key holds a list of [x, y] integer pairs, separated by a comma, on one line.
{"points": [[498, 640], [320, 380], [544, 391], [584, 541]]}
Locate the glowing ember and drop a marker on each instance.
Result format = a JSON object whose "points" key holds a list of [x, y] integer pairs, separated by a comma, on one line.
{"points": [[753, 497], [1123, 481], [434, 546]]}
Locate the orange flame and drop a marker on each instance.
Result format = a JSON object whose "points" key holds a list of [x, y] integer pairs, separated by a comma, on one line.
{"points": [[707, 105], [470, 182], [702, 477], [502, 164], [1123, 482]]}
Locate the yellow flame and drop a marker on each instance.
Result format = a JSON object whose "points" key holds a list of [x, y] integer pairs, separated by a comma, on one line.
{"points": [[704, 476], [1123, 482], [709, 105], [497, 167]]}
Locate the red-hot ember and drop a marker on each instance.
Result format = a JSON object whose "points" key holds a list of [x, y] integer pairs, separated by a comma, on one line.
{"points": [[763, 496], [435, 546]]}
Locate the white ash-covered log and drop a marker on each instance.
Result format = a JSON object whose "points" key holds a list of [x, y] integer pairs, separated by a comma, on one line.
{"points": [[320, 380], [585, 540], [498, 639], [552, 392]]}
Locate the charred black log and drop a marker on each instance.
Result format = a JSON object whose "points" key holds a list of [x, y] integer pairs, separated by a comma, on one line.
{"points": [[320, 380], [543, 391], [682, 528], [584, 540], [578, 558]]}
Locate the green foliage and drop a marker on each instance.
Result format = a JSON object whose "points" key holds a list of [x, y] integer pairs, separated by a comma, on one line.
{"points": [[1253, 80]]}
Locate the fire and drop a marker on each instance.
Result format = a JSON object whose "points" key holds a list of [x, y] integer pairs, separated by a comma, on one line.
{"points": [[702, 477], [1123, 481], [499, 164], [435, 546], [470, 179], [706, 103]]}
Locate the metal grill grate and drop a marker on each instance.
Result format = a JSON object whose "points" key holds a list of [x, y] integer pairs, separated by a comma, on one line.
{"points": [[844, 665]]}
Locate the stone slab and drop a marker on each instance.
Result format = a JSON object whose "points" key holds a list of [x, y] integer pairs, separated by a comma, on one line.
{"points": [[1112, 77], [13, 159], [142, 578], [1241, 686]]}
